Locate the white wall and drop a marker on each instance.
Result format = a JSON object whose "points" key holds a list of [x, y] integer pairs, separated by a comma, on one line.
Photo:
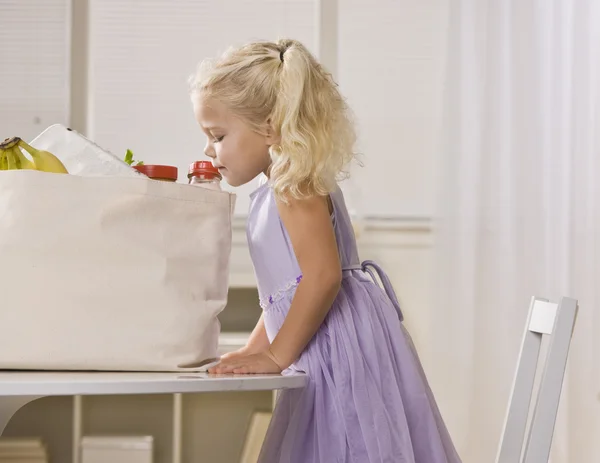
{"points": [[390, 60], [139, 63], [122, 79], [35, 57]]}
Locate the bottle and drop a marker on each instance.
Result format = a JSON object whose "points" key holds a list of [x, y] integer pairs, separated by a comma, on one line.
{"points": [[203, 173], [158, 172]]}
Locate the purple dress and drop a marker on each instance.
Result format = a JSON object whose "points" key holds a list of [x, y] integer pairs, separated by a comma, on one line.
{"points": [[367, 398]]}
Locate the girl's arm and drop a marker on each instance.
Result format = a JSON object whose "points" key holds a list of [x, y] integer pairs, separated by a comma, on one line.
{"points": [[309, 226], [258, 340]]}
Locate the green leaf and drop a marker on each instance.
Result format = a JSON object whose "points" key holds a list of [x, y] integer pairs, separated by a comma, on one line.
{"points": [[140, 163], [129, 157]]}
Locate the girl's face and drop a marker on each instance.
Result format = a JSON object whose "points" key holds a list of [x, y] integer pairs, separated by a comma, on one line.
{"points": [[236, 150]]}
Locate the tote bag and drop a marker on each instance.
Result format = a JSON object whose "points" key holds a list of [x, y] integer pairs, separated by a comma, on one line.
{"points": [[110, 273]]}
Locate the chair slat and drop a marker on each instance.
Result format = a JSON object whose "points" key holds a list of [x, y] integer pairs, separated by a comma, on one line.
{"points": [[542, 318], [513, 433], [546, 408], [556, 321]]}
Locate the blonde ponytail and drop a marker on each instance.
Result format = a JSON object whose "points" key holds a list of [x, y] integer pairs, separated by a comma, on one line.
{"points": [[282, 85]]}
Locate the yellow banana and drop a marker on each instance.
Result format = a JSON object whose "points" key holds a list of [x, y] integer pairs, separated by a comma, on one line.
{"points": [[11, 160], [3, 160], [6, 152], [44, 160], [8, 143], [22, 160], [11, 157]]}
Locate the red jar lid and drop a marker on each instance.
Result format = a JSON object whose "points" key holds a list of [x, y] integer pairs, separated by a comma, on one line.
{"points": [[203, 168], [157, 171]]}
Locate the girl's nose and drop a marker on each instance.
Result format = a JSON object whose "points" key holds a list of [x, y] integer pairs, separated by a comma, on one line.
{"points": [[209, 150]]}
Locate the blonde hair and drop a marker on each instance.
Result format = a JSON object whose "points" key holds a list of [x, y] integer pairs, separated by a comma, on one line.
{"points": [[282, 85]]}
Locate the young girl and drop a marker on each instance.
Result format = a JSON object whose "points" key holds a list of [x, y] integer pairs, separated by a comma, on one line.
{"points": [[271, 109]]}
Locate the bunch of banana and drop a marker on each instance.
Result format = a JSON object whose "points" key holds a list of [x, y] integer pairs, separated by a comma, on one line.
{"points": [[11, 157]]}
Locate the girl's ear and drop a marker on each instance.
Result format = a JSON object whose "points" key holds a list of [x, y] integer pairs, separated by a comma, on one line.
{"points": [[272, 137]]}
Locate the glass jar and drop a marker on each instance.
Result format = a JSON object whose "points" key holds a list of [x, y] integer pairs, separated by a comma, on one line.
{"points": [[203, 173]]}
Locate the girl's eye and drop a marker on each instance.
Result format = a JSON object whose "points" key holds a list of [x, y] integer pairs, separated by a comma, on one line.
{"points": [[219, 139]]}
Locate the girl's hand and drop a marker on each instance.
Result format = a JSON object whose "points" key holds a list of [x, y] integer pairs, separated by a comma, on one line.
{"points": [[235, 354], [260, 363]]}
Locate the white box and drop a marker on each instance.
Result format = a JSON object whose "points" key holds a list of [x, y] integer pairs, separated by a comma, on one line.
{"points": [[117, 449]]}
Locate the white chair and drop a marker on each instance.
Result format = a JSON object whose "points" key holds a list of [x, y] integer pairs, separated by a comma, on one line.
{"points": [[556, 321]]}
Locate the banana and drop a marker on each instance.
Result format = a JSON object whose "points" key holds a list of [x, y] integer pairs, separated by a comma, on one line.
{"points": [[8, 143], [11, 160], [3, 160], [22, 160], [44, 160], [11, 157]]}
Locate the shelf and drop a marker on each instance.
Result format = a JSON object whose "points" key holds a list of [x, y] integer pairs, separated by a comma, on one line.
{"points": [[50, 417], [215, 425], [126, 415]]}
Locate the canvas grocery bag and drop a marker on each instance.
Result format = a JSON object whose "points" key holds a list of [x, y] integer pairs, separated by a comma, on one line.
{"points": [[109, 273]]}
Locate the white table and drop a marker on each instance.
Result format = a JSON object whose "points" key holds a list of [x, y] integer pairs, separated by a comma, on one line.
{"points": [[19, 388]]}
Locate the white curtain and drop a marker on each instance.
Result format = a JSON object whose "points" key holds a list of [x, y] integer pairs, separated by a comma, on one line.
{"points": [[519, 212]]}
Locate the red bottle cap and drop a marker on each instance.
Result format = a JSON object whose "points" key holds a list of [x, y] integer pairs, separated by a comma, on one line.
{"points": [[203, 169], [157, 171]]}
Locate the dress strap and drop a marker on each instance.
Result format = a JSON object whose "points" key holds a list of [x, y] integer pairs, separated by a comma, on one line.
{"points": [[370, 267]]}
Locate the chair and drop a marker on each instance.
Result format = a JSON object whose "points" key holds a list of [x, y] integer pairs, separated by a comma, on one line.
{"points": [[545, 319]]}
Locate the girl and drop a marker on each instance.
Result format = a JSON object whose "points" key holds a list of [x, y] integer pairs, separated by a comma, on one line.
{"points": [[270, 108]]}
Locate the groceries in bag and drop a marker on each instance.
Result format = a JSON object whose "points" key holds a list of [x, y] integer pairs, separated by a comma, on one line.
{"points": [[132, 279], [13, 158], [203, 173]]}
